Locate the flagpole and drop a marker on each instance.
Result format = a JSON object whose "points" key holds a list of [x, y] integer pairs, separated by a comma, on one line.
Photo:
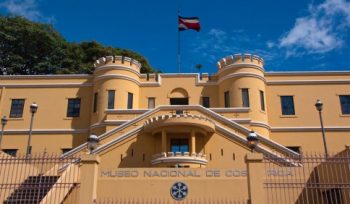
{"points": [[178, 44]]}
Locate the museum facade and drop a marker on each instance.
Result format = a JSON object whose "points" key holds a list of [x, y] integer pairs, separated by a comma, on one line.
{"points": [[180, 136]]}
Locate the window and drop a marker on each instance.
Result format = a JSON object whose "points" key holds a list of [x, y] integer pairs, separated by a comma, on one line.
{"points": [[95, 102], [130, 100], [73, 109], [262, 101], [205, 102], [151, 102], [245, 97], [179, 145], [287, 104], [111, 97], [12, 152], [294, 149], [345, 104], [17, 108], [227, 99]]}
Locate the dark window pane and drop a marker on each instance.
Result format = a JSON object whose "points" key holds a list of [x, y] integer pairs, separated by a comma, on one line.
{"points": [[262, 101], [111, 98], [287, 104], [227, 99], [205, 102], [345, 104], [17, 108], [130, 100], [179, 145], [73, 109], [95, 102], [245, 97]]}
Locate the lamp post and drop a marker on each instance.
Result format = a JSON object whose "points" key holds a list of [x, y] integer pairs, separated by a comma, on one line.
{"points": [[92, 143], [252, 140], [3, 123], [33, 109], [319, 106]]}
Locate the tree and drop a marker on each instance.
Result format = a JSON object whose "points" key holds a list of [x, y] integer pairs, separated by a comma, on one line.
{"points": [[35, 48]]}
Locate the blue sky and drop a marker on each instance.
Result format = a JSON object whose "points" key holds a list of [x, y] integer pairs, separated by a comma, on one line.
{"points": [[296, 35]]}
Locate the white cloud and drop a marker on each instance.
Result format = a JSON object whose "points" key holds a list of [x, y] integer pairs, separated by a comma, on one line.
{"points": [[320, 31], [26, 8]]}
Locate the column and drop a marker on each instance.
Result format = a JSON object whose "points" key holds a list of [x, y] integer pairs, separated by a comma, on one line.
{"points": [[256, 175], [193, 141], [88, 178], [164, 140]]}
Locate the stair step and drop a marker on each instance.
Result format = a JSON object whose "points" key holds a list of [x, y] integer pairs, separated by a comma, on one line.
{"points": [[32, 190]]}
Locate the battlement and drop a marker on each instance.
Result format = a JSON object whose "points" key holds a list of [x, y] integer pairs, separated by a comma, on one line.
{"points": [[118, 60], [240, 59]]}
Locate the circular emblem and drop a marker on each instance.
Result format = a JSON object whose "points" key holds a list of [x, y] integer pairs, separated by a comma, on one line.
{"points": [[179, 191]]}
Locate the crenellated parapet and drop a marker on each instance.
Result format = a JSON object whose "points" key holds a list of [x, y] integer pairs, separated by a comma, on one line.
{"points": [[118, 61], [240, 59]]}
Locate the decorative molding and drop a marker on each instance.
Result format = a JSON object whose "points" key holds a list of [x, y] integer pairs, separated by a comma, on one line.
{"points": [[304, 73], [47, 85], [126, 111], [231, 110], [116, 76], [46, 131], [310, 129], [117, 67], [53, 76], [118, 139], [241, 65], [260, 124], [307, 82]]}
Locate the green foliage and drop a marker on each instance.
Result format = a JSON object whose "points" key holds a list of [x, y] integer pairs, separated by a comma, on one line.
{"points": [[35, 48]]}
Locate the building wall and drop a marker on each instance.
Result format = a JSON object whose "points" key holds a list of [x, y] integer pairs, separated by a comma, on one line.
{"points": [[53, 130]]}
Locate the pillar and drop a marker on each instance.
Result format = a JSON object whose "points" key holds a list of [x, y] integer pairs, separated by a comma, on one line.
{"points": [[163, 140], [88, 178], [256, 175], [193, 141]]}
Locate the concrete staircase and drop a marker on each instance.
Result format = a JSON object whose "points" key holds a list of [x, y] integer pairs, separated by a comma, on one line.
{"points": [[32, 190]]}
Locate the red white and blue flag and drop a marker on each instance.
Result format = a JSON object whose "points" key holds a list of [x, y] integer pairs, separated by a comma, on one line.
{"points": [[189, 23]]}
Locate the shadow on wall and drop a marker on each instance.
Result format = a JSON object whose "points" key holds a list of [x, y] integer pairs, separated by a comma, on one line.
{"points": [[329, 181]]}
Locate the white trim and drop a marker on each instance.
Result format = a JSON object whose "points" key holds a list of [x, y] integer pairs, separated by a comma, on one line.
{"points": [[116, 76], [258, 148], [46, 131], [260, 124], [118, 139], [117, 67], [310, 129], [303, 73], [231, 110], [126, 111], [307, 82], [47, 85], [241, 65], [108, 122], [241, 120], [49, 76]]}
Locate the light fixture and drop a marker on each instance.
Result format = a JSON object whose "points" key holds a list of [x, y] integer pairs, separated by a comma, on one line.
{"points": [[92, 142], [252, 140]]}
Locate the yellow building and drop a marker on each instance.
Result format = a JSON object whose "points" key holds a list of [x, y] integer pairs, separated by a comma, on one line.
{"points": [[148, 124]]}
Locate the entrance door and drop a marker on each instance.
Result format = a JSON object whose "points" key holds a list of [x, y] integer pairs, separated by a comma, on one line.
{"points": [[178, 101]]}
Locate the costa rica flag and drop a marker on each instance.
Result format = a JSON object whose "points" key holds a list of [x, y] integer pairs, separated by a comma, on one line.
{"points": [[189, 23]]}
